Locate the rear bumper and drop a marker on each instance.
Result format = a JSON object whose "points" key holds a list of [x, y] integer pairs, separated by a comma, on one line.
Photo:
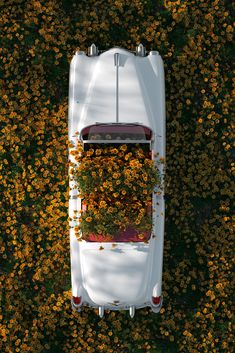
{"points": [[155, 308]]}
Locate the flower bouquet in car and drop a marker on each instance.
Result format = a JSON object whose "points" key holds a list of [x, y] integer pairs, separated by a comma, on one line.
{"points": [[115, 183]]}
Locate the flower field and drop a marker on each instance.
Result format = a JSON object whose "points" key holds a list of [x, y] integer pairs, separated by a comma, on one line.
{"points": [[38, 40]]}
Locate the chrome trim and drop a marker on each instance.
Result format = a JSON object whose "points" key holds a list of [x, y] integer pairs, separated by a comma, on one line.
{"points": [[140, 50], [120, 123], [80, 52], [132, 311], [118, 307], [93, 50], [101, 311], [153, 52], [116, 63], [117, 141]]}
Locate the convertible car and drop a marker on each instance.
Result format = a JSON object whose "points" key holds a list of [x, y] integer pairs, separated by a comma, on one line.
{"points": [[117, 97]]}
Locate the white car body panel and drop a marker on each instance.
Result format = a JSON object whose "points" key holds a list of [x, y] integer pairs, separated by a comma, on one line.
{"points": [[129, 274]]}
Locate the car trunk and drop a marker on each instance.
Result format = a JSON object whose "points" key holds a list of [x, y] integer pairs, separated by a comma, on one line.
{"points": [[116, 276]]}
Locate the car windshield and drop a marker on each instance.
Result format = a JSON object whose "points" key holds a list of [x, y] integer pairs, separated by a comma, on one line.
{"points": [[117, 132], [115, 135]]}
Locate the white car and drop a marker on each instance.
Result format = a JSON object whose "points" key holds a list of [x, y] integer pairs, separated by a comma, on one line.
{"points": [[120, 93]]}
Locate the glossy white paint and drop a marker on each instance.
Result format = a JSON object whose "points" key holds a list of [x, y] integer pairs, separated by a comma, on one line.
{"points": [[116, 274], [92, 96], [124, 277]]}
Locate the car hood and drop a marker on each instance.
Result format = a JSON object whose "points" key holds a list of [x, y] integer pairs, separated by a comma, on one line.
{"points": [[116, 276], [93, 90]]}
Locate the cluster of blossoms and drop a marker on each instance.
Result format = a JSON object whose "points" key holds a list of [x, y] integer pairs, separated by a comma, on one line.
{"points": [[116, 185]]}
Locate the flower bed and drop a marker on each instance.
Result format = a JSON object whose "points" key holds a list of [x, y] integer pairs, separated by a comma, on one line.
{"points": [[115, 184]]}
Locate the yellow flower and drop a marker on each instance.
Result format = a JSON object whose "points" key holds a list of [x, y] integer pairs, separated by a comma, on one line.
{"points": [[88, 219], [145, 177], [98, 152], [141, 236], [114, 151], [123, 148], [116, 175], [127, 156], [103, 204], [90, 152]]}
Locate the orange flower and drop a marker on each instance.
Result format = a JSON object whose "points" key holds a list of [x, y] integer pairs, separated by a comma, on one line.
{"points": [[123, 148], [116, 175], [103, 204]]}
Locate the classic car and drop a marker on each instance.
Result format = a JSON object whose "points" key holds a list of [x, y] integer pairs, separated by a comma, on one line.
{"points": [[117, 97]]}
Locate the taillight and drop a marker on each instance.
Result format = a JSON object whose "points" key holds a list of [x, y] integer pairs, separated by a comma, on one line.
{"points": [[77, 300], [156, 300]]}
